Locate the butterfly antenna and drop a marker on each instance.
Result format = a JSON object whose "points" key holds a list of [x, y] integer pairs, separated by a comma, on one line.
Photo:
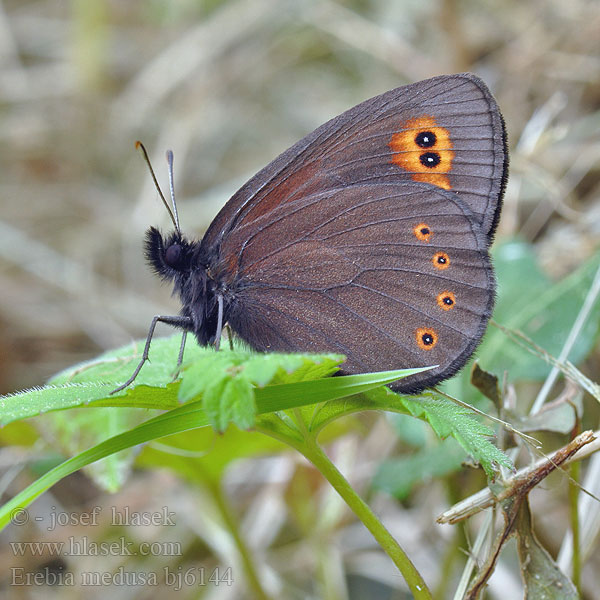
{"points": [[140, 146], [172, 188]]}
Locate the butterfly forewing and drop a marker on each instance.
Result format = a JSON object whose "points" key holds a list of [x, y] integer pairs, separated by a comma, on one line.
{"points": [[446, 131]]}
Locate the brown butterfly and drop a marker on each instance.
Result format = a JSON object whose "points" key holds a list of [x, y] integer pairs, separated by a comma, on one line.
{"points": [[369, 238]]}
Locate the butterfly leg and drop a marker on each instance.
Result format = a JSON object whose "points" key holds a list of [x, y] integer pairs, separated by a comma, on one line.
{"points": [[175, 321], [181, 349], [219, 323], [180, 355]]}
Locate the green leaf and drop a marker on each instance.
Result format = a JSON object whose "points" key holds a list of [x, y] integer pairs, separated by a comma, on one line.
{"points": [[292, 395], [201, 454], [115, 366], [230, 401], [218, 414], [180, 419], [227, 381], [191, 415], [239, 395], [75, 431], [399, 476], [409, 431], [541, 575], [83, 384], [90, 383], [542, 310], [444, 416], [448, 418]]}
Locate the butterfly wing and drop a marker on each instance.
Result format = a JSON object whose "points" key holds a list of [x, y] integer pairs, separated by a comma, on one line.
{"points": [[446, 131], [391, 275]]}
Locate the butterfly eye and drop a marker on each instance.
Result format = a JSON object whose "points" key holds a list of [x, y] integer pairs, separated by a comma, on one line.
{"points": [[173, 255]]}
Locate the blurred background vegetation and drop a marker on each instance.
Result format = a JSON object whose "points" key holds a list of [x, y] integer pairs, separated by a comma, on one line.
{"points": [[228, 84]]}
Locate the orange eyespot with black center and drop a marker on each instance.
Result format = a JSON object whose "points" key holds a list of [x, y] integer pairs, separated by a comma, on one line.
{"points": [[408, 145], [441, 260], [423, 232], [446, 300], [426, 338]]}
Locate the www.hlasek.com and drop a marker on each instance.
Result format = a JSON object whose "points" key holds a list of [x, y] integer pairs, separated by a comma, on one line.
{"points": [[173, 578], [83, 546]]}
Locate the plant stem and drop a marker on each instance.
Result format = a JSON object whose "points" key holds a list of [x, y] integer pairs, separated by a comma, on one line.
{"points": [[574, 471], [314, 453], [232, 525]]}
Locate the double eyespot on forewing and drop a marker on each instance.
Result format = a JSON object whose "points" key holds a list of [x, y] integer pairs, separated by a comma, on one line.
{"points": [[466, 152], [424, 150]]}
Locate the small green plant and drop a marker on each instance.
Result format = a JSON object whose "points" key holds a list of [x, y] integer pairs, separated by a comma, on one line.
{"points": [[288, 397]]}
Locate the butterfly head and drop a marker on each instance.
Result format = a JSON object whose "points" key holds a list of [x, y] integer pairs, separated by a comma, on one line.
{"points": [[172, 256], [183, 263]]}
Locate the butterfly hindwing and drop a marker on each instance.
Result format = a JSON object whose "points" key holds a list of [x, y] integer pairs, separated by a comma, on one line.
{"points": [[392, 275]]}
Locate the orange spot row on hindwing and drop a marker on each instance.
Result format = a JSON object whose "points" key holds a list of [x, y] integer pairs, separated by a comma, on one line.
{"points": [[427, 337], [424, 149]]}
